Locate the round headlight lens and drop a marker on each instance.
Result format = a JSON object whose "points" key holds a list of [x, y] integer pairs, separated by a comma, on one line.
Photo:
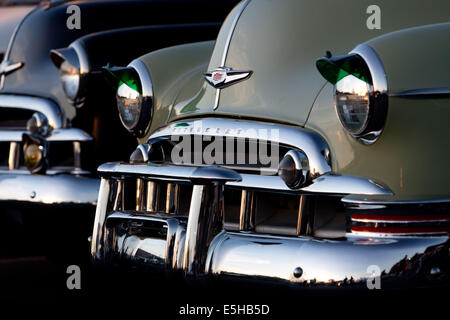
{"points": [[129, 103], [70, 78], [352, 99]]}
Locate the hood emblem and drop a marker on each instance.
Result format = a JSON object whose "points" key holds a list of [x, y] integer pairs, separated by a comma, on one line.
{"points": [[223, 77]]}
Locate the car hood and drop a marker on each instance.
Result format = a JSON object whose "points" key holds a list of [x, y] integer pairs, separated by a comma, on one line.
{"points": [[280, 41]]}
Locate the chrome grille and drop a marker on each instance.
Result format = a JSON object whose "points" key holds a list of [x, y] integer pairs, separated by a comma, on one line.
{"points": [[200, 201]]}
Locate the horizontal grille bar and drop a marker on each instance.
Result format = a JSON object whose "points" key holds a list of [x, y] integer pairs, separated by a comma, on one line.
{"points": [[60, 135], [327, 184]]}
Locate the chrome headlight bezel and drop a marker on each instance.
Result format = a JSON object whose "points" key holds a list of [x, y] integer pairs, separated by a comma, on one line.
{"points": [[142, 123], [378, 95], [73, 57], [360, 79]]}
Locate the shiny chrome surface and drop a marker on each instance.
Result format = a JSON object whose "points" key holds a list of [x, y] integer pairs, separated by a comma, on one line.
{"points": [[362, 200], [199, 246], [326, 184], [324, 262], [169, 172], [204, 223], [223, 77], [378, 95], [69, 134], [38, 125], [246, 214], [241, 9], [146, 114], [123, 242], [108, 190], [14, 155], [48, 108], [294, 169], [424, 93], [308, 141], [8, 67], [399, 218], [74, 55], [140, 155], [303, 262], [48, 189], [375, 66]]}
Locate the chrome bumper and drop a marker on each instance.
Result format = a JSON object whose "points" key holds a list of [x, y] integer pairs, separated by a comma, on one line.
{"points": [[198, 246], [297, 262], [197, 242], [65, 189]]}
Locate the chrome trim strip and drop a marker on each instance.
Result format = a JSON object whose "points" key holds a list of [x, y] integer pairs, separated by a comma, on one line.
{"points": [[14, 155], [230, 34], [49, 189], [82, 57], [375, 65], [259, 257], [58, 135], [312, 144], [378, 94], [169, 172], [397, 235], [146, 115], [356, 200], [368, 220], [144, 75], [47, 107], [48, 172], [227, 45], [326, 184], [423, 93]]}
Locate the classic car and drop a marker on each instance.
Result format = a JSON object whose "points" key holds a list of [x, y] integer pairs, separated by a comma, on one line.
{"points": [[57, 123], [306, 146]]}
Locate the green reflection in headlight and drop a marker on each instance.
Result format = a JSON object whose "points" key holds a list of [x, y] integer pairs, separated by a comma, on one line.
{"points": [[336, 68], [116, 76]]}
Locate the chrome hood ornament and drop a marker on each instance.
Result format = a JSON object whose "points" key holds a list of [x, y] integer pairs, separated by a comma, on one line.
{"points": [[223, 77], [5, 68]]}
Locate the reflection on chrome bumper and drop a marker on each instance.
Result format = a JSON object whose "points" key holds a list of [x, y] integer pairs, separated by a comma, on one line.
{"points": [[159, 241], [49, 189]]}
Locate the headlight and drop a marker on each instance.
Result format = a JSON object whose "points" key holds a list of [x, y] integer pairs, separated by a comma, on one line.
{"points": [[129, 99], [352, 103], [134, 96], [73, 68], [70, 79], [360, 94]]}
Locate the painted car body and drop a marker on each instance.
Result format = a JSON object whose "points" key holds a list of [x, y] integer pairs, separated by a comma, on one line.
{"points": [[380, 206]]}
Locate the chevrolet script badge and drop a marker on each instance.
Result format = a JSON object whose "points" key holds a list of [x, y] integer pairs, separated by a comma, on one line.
{"points": [[223, 77]]}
